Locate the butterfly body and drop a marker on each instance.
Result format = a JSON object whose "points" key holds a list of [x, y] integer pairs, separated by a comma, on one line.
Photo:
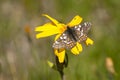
{"points": [[72, 35]]}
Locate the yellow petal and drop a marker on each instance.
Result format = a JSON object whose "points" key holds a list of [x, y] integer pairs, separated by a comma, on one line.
{"points": [[52, 19], [46, 27], [60, 54], [77, 49], [89, 41], [79, 46], [60, 26], [46, 33], [74, 50], [75, 21]]}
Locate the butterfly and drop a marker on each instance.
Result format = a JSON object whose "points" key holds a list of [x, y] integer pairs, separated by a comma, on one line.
{"points": [[72, 35]]}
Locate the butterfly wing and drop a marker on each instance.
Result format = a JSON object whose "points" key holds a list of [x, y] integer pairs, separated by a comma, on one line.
{"points": [[64, 41], [81, 31]]}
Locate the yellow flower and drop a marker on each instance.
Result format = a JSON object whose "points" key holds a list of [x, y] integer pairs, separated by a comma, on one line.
{"points": [[58, 28]]}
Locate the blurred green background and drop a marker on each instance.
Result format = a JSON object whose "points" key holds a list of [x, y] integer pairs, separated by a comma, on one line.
{"points": [[22, 57]]}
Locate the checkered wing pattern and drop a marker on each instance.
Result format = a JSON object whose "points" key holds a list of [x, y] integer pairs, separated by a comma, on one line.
{"points": [[64, 41], [81, 31]]}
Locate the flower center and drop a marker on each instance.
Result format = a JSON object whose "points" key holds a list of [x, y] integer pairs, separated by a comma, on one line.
{"points": [[62, 28]]}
